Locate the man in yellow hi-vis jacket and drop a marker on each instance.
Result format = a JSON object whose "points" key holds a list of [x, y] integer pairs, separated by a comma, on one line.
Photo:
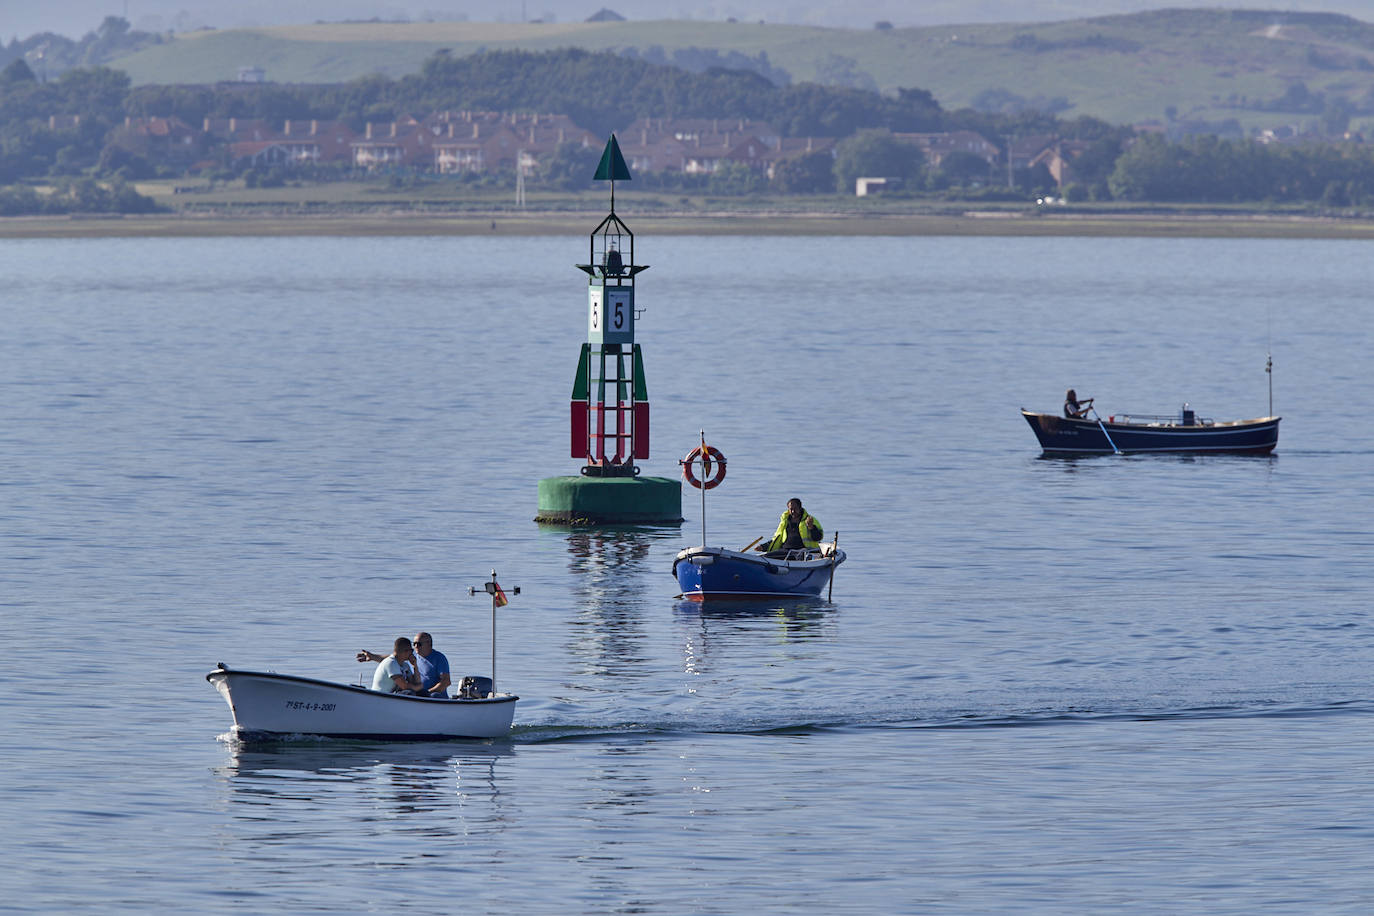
{"points": [[797, 529]]}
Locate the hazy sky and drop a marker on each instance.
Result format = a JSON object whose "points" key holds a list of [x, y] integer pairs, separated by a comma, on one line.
{"points": [[21, 18]]}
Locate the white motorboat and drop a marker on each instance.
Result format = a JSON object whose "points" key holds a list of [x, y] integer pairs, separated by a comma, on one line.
{"points": [[265, 705]]}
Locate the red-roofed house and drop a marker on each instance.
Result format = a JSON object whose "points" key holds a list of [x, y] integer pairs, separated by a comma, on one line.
{"points": [[939, 145], [169, 140]]}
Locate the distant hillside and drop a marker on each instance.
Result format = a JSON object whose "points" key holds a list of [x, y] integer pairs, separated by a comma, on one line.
{"points": [[1253, 68]]}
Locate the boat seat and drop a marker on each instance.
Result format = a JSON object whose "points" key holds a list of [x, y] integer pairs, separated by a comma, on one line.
{"points": [[806, 553]]}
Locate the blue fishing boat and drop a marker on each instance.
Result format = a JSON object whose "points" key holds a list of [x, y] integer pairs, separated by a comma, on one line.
{"points": [[1122, 434], [718, 572]]}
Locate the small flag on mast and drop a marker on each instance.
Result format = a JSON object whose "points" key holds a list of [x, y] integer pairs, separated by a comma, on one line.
{"points": [[499, 599]]}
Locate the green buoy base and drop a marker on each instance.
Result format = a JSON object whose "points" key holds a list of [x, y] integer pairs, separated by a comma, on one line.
{"points": [[610, 501]]}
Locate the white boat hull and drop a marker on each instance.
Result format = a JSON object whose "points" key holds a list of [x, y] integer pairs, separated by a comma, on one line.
{"points": [[267, 705]]}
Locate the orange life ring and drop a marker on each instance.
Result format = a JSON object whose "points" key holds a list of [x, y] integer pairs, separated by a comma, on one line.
{"points": [[707, 482]]}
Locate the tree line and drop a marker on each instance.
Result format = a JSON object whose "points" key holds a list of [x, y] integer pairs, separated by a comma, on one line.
{"points": [[605, 92], [54, 54]]}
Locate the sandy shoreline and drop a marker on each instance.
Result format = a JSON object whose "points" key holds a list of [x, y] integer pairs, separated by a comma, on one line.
{"points": [[972, 223]]}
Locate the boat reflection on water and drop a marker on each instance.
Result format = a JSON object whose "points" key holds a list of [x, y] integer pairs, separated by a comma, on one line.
{"points": [[798, 614], [1074, 462], [414, 777], [335, 757], [710, 627]]}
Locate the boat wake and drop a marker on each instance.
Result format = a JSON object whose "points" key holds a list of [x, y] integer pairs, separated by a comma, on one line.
{"points": [[560, 728], [944, 719]]}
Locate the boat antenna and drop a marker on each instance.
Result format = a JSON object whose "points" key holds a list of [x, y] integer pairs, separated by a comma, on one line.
{"points": [[1269, 356], [498, 599], [703, 454], [704, 459]]}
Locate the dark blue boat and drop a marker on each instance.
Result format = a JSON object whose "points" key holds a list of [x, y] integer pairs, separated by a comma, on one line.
{"points": [[717, 572], [1144, 434]]}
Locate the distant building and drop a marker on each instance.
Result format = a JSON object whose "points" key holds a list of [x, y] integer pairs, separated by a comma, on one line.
{"points": [[1024, 149], [168, 140], [237, 130], [259, 153], [868, 187], [699, 146], [480, 141], [939, 145], [659, 153], [252, 75], [317, 141], [1058, 159], [389, 143]]}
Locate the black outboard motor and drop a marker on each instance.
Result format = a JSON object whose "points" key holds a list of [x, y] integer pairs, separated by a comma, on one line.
{"points": [[474, 687], [1186, 416]]}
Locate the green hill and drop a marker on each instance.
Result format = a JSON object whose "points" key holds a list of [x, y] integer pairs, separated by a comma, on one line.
{"points": [[1261, 68]]}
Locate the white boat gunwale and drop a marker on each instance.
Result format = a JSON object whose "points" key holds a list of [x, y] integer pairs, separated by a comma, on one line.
{"points": [[223, 671], [828, 555]]}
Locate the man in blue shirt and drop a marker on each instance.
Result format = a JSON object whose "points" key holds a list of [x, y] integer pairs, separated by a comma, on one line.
{"points": [[431, 664]]}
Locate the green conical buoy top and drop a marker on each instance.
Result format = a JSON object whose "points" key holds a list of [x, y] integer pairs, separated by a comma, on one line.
{"points": [[612, 167]]}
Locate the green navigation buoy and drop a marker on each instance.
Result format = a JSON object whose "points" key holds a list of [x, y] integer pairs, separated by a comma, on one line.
{"points": [[609, 410]]}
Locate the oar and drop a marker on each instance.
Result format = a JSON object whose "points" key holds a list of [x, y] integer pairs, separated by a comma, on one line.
{"points": [[1103, 427], [751, 543], [834, 552]]}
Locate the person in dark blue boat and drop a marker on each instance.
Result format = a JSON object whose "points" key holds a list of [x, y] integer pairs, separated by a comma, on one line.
{"points": [[797, 529], [429, 662], [1074, 408]]}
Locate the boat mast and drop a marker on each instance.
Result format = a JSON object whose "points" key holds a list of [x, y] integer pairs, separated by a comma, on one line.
{"points": [[498, 599], [704, 459], [1269, 371], [1269, 356]]}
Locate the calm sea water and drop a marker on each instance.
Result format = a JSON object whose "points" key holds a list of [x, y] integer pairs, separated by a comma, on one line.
{"points": [[1042, 686]]}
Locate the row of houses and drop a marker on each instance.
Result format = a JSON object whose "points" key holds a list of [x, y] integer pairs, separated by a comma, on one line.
{"points": [[445, 141], [461, 141], [451, 142]]}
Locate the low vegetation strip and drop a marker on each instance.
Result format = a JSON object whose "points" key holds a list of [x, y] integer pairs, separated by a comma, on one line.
{"points": [[970, 223]]}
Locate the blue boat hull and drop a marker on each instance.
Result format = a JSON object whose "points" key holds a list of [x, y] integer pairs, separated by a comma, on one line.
{"points": [[1067, 436], [705, 572]]}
